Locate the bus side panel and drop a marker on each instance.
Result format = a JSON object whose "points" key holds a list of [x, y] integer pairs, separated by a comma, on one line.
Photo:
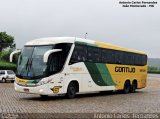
{"points": [[101, 77], [121, 73], [90, 76]]}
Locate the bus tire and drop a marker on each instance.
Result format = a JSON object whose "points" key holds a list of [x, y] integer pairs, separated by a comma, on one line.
{"points": [[133, 87], [126, 88], [71, 90]]}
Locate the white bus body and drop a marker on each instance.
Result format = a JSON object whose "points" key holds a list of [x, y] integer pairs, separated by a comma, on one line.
{"points": [[38, 69]]}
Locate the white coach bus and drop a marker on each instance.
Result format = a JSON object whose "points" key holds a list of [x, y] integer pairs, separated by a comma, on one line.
{"points": [[69, 65]]}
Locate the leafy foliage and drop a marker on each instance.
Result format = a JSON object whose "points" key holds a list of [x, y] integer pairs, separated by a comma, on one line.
{"points": [[6, 41], [7, 66], [152, 69], [5, 55], [4, 61]]}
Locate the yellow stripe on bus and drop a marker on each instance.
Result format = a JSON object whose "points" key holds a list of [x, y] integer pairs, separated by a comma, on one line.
{"points": [[21, 81]]}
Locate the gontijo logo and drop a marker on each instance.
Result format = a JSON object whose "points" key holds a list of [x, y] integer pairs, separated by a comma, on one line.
{"points": [[125, 69]]}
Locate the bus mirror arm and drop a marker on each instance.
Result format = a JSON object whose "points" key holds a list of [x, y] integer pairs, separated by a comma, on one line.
{"points": [[47, 53], [12, 54]]}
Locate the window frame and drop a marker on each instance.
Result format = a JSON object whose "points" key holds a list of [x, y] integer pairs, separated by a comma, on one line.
{"points": [[109, 56]]}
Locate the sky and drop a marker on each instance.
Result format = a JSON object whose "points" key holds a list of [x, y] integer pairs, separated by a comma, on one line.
{"points": [[103, 20]]}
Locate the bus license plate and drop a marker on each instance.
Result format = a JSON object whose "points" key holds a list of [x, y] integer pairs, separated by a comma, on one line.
{"points": [[26, 90]]}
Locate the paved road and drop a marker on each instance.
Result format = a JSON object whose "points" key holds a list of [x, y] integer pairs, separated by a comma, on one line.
{"points": [[145, 100]]}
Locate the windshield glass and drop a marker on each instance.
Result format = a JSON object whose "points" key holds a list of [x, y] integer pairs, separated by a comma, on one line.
{"points": [[30, 62], [31, 65]]}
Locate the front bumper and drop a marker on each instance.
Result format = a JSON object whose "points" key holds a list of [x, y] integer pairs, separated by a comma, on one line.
{"points": [[41, 90]]}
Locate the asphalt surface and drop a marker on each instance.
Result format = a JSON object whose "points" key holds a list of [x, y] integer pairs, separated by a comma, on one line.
{"points": [[145, 100]]}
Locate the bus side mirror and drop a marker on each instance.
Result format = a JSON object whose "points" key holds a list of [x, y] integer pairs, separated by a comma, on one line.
{"points": [[47, 53], [12, 54]]}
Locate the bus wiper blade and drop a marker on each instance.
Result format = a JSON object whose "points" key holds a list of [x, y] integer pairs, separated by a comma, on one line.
{"points": [[27, 64], [31, 63]]}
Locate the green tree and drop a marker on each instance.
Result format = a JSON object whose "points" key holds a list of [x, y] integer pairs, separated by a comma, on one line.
{"points": [[6, 41]]}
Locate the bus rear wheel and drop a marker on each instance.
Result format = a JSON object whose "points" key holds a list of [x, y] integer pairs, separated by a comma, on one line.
{"points": [[126, 88], [133, 87], [71, 91]]}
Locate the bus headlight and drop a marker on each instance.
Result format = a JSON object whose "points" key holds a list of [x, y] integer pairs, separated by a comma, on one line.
{"points": [[43, 81]]}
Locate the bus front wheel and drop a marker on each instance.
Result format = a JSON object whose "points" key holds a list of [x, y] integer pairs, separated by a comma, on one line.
{"points": [[126, 88], [71, 91]]}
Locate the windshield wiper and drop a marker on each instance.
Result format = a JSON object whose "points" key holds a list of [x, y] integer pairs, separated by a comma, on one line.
{"points": [[31, 63], [27, 64]]}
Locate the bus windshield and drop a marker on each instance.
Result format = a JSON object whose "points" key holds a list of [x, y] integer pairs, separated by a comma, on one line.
{"points": [[31, 65]]}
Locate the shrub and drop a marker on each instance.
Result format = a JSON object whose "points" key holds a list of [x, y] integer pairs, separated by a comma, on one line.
{"points": [[5, 56], [7, 66]]}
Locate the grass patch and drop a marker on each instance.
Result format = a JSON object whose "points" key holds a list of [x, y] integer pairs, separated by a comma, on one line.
{"points": [[155, 70], [7, 66]]}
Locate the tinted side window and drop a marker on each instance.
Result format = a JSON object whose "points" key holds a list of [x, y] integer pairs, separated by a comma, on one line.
{"points": [[65, 51], [144, 59], [118, 58], [137, 59], [57, 60], [107, 56], [94, 55], [54, 63], [104, 55], [130, 58], [79, 54]]}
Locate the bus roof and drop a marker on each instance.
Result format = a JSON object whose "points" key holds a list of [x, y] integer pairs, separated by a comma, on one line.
{"points": [[55, 40]]}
